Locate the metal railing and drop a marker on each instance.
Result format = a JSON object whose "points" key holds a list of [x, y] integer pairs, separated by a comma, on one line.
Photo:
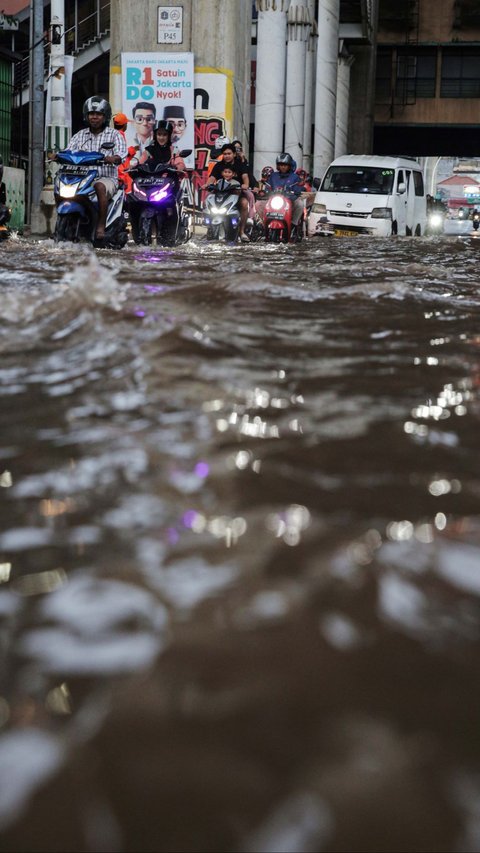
{"points": [[81, 35]]}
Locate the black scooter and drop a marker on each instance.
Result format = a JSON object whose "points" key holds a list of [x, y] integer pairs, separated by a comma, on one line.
{"points": [[156, 202]]}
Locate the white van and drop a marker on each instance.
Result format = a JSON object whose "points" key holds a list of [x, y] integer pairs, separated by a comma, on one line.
{"points": [[370, 195]]}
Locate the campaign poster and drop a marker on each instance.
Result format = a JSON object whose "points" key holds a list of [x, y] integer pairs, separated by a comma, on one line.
{"points": [[158, 86], [213, 118]]}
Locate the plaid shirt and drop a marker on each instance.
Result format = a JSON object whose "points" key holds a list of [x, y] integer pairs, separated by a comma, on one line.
{"points": [[85, 140]]}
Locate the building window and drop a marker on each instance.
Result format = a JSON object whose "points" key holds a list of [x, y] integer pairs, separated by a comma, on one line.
{"points": [[460, 73], [383, 83], [416, 75]]}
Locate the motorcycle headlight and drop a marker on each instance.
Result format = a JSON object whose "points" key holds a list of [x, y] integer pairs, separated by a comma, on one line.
{"points": [[436, 219], [382, 213], [277, 202], [138, 191], [68, 190], [219, 209]]}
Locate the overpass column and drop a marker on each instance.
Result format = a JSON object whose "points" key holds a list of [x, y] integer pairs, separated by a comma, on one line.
{"points": [[326, 85], [310, 60], [270, 91], [298, 31], [345, 62]]}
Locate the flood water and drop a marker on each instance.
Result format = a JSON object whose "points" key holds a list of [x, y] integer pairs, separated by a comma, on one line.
{"points": [[240, 547]]}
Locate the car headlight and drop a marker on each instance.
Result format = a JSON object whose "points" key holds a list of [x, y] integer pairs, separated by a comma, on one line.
{"points": [[319, 208], [382, 213]]}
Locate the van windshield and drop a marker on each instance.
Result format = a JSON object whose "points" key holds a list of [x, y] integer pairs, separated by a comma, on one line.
{"points": [[358, 179]]}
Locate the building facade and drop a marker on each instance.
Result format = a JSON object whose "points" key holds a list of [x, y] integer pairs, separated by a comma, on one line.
{"points": [[427, 96]]}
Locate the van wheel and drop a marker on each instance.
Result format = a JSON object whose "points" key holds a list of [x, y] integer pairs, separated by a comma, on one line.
{"points": [[394, 228], [418, 230], [408, 231]]}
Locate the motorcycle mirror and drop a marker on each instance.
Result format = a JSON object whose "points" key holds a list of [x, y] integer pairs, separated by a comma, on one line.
{"points": [[185, 152], [108, 145]]}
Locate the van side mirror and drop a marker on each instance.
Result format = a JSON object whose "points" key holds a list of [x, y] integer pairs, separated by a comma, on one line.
{"points": [[402, 188], [316, 183]]}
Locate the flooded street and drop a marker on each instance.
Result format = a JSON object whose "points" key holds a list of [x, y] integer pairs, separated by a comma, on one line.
{"points": [[240, 547]]}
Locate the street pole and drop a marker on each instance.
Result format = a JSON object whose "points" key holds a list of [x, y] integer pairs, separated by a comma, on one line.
{"points": [[36, 117], [57, 131]]}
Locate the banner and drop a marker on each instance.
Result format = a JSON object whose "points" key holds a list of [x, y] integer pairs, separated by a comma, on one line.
{"points": [[158, 86], [213, 118]]}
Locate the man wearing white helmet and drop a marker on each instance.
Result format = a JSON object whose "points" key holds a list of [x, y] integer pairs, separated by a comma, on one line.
{"points": [[97, 113]]}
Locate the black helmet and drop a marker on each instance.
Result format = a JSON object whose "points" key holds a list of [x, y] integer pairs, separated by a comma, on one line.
{"points": [[96, 104], [163, 125], [285, 158]]}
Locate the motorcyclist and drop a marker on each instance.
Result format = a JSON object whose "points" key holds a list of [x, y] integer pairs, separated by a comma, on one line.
{"points": [[286, 179], [97, 114], [161, 150], [228, 157]]}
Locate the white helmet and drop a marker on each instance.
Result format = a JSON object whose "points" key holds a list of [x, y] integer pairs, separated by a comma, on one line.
{"points": [[221, 141]]}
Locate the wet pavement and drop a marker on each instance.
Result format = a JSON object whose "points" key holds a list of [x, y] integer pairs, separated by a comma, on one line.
{"points": [[240, 547]]}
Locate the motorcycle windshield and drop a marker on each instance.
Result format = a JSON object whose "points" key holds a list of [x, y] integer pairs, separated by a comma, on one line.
{"points": [[79, 157]]}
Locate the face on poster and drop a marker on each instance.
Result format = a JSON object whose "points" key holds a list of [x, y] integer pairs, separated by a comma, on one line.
{"points": [[155, 87]]}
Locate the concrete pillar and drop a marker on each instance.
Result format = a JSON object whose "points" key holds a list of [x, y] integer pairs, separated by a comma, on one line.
{"points": [[298, 29], [270, 91], [36, 219], [326, 85], [345, 62], [310, 63], [362, 90], [217, 32], [221, 38]]}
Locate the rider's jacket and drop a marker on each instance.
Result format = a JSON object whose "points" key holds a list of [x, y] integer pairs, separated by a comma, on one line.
{"points": [[290, 181]]}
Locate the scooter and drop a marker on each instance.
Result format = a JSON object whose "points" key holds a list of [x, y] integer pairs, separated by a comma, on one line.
{"points": [[222, 216], [435, 223], [278, 218], [220, 213], [5, 214], [157, 199], [476, 220], [77, 203]]}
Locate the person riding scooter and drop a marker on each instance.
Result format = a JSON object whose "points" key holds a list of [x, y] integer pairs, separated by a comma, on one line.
{"points": [[97, 113], [161, 149], [286, 180]]}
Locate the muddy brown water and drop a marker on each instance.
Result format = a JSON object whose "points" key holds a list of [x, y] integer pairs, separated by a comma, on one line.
{"points": [[240, 547]]}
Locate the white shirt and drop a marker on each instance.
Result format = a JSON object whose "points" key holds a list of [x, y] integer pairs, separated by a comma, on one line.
{"points": [[85, 140]]}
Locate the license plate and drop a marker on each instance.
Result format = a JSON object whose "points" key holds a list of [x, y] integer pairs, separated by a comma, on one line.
{"points": [[340, 232]]}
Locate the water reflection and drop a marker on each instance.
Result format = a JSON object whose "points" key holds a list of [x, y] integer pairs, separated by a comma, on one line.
{"points": [[240, 546]]}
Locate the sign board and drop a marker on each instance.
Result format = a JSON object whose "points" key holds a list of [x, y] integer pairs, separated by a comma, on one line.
{"points": [[159, 86], [170, 25], [8, 22]]}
